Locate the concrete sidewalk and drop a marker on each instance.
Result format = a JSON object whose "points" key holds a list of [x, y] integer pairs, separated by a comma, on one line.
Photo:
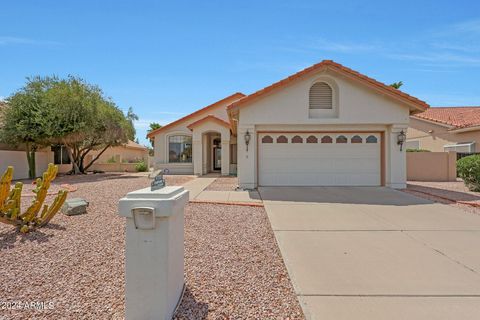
{"points": [[197, 192], [230, 196], [197, 185], [376, 253]]}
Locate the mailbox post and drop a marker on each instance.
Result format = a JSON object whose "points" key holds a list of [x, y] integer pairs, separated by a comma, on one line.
{"points": [[154, 254]]}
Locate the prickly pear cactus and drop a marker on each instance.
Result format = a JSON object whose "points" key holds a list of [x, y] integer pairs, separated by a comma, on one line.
{"points": [[37, 214]]}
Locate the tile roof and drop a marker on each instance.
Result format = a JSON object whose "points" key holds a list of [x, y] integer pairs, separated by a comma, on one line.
{"points": [[457, 117], [231, 98], [134, 145], [329, 64]]}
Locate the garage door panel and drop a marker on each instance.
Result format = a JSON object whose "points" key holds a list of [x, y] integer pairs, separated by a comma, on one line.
{"points": [[319, 164]]}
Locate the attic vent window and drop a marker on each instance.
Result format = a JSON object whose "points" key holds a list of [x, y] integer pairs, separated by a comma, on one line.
{"points": [[320, 96]]}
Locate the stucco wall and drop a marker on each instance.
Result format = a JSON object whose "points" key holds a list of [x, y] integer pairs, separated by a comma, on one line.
{"points": [[126, 154], [439, 135], [161, 145], [420, 168], [359, 108], [18, 159]]}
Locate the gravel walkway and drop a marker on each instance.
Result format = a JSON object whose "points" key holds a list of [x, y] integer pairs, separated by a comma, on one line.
{"points": [[229, 183], [75, 265]]}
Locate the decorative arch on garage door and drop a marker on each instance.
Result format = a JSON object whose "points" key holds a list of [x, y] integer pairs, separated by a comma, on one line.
{"points": [[320, 159]]}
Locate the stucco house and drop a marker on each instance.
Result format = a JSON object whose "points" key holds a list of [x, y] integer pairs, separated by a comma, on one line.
{"points": [[326, 125], [441, 129]]}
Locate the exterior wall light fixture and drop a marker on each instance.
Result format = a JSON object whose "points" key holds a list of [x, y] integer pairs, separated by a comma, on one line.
{"points": [[401, 139], [247, 138]]}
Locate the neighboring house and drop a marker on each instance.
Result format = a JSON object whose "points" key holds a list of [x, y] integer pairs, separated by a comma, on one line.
{"points": [[326, 125], [445, 129]]}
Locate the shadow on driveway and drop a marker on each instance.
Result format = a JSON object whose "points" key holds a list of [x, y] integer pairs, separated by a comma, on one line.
{"points": [[346, 195]]}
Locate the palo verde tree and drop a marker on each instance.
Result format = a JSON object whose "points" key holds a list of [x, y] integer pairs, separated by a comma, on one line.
{"points": [[24, 120], [83, 119]]}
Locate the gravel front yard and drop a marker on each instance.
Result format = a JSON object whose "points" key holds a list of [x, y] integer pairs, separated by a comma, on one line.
{"points": [[75, 265]]}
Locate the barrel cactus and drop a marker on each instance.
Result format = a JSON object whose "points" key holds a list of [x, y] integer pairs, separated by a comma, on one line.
{"points": [[37, 214]]}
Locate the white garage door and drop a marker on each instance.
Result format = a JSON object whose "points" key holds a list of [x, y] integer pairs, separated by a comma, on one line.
{"points": [[319, 159]]}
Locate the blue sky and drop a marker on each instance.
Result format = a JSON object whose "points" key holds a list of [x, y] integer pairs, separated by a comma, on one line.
{"points": [[168, 58]]}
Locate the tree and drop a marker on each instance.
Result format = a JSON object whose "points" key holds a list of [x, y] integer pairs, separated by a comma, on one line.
{"points": [[82, 120], [25, 121], [69, 112], [153, 126], [397, 85], [131, 116]]}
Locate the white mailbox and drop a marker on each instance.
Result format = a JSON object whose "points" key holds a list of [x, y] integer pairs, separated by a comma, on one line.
{"points": [[154, 254]]}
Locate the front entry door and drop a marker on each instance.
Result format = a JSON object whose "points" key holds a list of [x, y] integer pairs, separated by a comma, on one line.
{"points": [[217, 158]]}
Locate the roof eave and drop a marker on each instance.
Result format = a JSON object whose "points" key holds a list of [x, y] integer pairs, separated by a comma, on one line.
{"points": [[466, 129], [445, 125]]}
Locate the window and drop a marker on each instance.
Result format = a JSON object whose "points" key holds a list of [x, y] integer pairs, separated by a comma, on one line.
{"points": [[320, 96], [356, 139], [282, 139], [312, 139], [180, 149], [60, 155], [462, 147], [371, 139], [267, 139], [326, 139], [297, 139], [342, 139]]}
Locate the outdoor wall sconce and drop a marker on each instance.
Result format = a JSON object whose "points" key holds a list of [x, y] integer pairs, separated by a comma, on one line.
{"points": [[401, 139], [247, 138]]}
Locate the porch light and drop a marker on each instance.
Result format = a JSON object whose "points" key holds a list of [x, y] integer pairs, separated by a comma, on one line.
{"points": [[247, 138], [401, 139]]}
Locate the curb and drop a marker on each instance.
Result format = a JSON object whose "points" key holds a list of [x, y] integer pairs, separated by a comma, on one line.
{"points": [[468, 203], [229, 203]]}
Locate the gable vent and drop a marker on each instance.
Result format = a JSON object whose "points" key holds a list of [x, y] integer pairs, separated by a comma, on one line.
{"points": [[320, 96]]}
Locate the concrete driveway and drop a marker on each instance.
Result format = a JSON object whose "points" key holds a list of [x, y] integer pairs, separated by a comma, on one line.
{"points": [[376, 253]]}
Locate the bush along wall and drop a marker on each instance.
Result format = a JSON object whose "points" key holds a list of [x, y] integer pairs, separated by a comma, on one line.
{"points": [[468, 168]]}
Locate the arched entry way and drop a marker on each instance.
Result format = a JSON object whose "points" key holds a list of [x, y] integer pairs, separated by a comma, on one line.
{"points": [[211, 146]]}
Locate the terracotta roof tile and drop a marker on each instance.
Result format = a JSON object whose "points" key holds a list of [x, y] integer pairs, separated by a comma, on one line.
{"points": [[329, 64], [457, 117], [232, 98], [134, 145]]}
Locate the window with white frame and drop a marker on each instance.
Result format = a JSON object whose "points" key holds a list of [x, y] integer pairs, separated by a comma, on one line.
{"points": [[320, 96], [180, 149], [464, 147]]}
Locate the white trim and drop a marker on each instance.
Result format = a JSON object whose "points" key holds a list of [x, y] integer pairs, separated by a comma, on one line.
{"points": [[470, 145], [459, 144], [475, 128]]}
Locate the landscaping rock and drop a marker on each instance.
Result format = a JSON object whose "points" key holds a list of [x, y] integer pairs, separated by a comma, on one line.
{"points": [[75, 206]]}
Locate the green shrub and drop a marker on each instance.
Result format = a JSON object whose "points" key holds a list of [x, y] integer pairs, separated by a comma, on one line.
{"points": [[141, 167], [468, 168], [418, 150], [111, 160]]}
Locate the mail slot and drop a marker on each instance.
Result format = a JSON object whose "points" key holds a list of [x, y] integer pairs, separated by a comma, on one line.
{"points": [[144, 218]]}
